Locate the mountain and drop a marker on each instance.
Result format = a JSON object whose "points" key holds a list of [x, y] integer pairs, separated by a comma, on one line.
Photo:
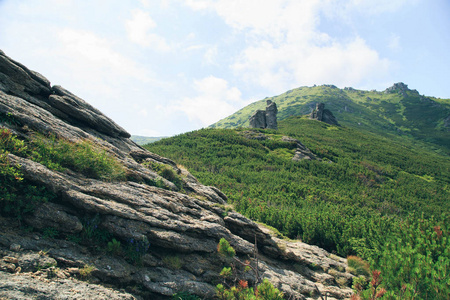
{"points": [[397, 111], [142, 140], [86, 213], [348, 190]]}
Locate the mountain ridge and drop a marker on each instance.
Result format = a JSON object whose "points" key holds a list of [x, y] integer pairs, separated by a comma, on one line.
{"points": [[397, 111]]}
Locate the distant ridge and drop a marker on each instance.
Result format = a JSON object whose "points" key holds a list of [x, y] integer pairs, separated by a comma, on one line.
{"points": [[396, 110], [143, 140]]}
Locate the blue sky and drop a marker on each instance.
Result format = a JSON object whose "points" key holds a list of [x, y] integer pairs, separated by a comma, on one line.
{"points": [[163, 67]]}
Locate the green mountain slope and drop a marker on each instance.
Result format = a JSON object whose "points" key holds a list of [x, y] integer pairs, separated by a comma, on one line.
{"points": [[384, 199], [369, 175], [397, 110], [142, 140]]}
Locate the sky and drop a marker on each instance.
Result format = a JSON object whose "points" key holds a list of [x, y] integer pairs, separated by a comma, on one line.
{"points": [[164, 67]]}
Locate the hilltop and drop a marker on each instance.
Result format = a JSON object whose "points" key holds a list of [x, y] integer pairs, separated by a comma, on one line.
{"points": [[396, 111]]}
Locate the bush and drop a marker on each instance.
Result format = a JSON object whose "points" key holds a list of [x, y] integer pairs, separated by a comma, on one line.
{"points": [[358, 266], [415, 260], [114, 247], [173, 262], [242, 291], [225, 249], [166, 172], [84, 157], [86, 271], [17, 196]]}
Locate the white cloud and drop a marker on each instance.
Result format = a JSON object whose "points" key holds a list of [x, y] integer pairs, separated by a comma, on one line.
{"points": [[379, 6], [97, 52], [210, 55], [285, 47], [145, 3], [138, 30], [215, 101]]}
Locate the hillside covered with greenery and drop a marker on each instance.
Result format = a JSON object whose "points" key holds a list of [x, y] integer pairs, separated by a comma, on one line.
{"points": [[384, 199], [397, 110], [142, 140]]}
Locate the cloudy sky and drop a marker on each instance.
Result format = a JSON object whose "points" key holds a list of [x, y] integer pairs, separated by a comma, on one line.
{"points": [[163, 67]]}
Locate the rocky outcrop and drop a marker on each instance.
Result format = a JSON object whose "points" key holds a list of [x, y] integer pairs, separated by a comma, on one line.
{"points": [[301, 152], [265, 118], [398, 87], [258, 119], [185, 223], [323, 115], [271, 115]]}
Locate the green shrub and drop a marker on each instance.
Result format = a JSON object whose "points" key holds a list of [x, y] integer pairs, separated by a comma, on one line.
{"points": [[173, 262], [166, 172], [415, 260], [135, 249], [50, 232], [358, 266], [114, 247], [267, 291], [86, 271], [84, 157], [225, 249], [17, 195], [264, 291]]}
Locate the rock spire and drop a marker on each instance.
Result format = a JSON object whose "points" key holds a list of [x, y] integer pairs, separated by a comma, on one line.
{"points": [[323, 115], [265, 118]]}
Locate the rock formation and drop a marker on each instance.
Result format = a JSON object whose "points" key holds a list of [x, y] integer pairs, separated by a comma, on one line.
{"points": [[265, 118], [323, 115], [184, 225], [301, 152], [271, 115], [258, 119]]}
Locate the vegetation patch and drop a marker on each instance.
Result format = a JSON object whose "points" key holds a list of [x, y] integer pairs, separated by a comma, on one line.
{"points": [[357, 266], [233, 288], [84, 157], [357, 205], [165, 171], [173, 262], [17, 195]]}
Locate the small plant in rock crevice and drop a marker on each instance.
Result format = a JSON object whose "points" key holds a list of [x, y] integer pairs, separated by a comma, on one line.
{"points": [[173, 262], [166, 172], [235, 288], [50, 232], [135, 249], [86, 271], [114, 247]]}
